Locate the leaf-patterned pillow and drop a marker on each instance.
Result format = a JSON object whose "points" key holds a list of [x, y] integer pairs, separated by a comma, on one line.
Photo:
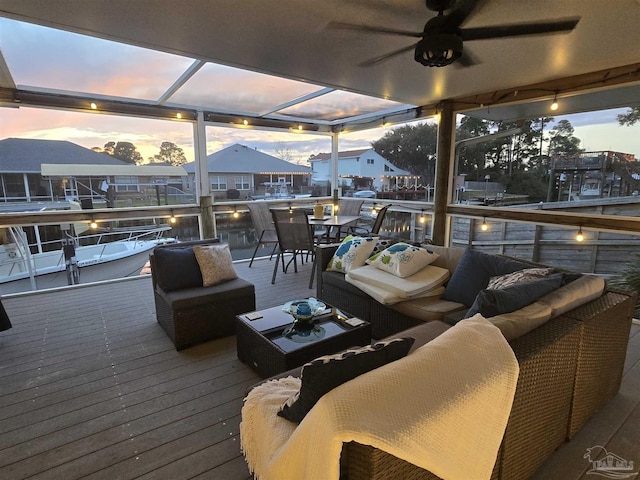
{"points": [[352, 253], [402, 259]]}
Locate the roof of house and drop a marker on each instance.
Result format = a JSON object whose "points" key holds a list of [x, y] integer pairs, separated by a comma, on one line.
{"points": [[345, 154], [26, 155], [241, 159]]}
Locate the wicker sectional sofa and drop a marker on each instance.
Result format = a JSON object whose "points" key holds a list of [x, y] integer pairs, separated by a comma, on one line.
{"points": [[570, 366]]}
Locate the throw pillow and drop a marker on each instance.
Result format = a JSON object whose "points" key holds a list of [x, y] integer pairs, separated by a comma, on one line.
{"points": [[402, 259], [473, 273], [352, 253], [326, 373], [496, 302], [215, 263], [176, 268], [383, 244], [525, 275]]}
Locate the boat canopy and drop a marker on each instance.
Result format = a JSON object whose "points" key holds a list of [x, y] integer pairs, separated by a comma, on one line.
{"points": [[73, 170]]}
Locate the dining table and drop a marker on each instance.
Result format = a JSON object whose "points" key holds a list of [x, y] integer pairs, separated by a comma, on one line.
{"points": [[333, 221]]}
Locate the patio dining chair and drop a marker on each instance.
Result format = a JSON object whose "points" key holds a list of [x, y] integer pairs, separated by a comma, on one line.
{"points": [[346, 207], [375, 228], [263, 226], [294, 237]]}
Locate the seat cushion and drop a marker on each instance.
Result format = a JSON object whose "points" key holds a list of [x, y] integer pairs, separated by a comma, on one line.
{"points": [[176, 268], [387, 297], [428, 278], [194, 297], [428, 308]]}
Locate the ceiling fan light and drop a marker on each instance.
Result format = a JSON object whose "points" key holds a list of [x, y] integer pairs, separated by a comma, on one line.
{"points": [[438, 50]]}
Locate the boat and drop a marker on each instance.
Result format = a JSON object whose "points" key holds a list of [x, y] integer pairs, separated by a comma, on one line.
{"points": [[109, 254]]}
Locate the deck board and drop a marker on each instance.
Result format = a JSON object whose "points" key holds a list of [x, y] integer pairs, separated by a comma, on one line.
{"points": [[92, 388]]}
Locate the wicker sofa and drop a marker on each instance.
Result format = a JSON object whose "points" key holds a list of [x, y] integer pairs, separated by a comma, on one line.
{"points": [[570, 366]]}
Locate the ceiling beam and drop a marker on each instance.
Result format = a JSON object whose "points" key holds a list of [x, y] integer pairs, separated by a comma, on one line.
{"points": [[601, 79]]}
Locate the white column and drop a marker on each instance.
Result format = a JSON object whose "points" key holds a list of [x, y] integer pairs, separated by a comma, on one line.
{"points": [[203, 184], [334, 162]]}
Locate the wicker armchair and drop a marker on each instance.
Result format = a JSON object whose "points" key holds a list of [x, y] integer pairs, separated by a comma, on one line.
{"points": [[197, 314]]}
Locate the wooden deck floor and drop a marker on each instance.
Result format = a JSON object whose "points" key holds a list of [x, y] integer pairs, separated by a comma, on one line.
{"points": [[91, 387]]}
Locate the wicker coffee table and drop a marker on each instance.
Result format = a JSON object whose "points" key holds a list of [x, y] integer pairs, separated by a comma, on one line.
{"points": [[263, 345]]}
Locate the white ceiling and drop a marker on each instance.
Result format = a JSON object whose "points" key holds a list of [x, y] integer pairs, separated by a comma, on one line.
{"points": [[288, 38]]}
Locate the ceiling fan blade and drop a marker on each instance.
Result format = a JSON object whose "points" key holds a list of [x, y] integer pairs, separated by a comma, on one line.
{"points": [[467, 59], [372, 29], [376, 60], [522, 29], [463, 9]]}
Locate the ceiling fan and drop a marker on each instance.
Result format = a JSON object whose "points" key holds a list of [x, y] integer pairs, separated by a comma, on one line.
{"points": [[441, 41]]}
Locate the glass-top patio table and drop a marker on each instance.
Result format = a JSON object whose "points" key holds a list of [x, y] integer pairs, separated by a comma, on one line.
{"points": [[266, 343], [329, 221]]}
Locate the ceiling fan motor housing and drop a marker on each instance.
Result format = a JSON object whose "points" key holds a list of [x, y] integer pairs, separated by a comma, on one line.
{"points": [[438, 50]]}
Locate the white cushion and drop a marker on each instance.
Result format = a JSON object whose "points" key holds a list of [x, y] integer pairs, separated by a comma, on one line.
{"points": [[387, 297], [574, 294], [515, 324], [402, 259], [352, 253], [428, 278]]}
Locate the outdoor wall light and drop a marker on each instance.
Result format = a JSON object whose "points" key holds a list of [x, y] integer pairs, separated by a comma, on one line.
{"points": [[423, 219], [172, 218], [374, 210], [93, 224], [484, 226], [236, 214], [93, 106], [554, 104], [290, 209], [580, 235], [178, 115], [245, 122]]}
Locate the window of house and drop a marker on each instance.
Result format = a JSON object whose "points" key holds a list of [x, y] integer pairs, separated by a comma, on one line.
{"points": [[370, 161], [218, 182], [126, 184], [242, 182]]}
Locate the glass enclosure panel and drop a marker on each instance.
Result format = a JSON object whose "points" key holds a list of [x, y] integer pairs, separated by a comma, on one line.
{"points": [[339, 104], [110, 250], [225, 88], [553, 161], [44, 136], [54, 59]]}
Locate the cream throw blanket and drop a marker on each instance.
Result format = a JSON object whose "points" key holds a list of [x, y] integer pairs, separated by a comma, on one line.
{"points": [[444, 408]]}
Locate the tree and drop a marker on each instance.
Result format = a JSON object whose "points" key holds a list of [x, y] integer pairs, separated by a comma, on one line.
{"points": [[170, 153], [631, 117], [412, 148], [283, 152], [125, 151], [562, 141]]}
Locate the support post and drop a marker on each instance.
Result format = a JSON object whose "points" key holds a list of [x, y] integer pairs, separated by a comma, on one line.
{"points": [[207, 225], [444, 174]]}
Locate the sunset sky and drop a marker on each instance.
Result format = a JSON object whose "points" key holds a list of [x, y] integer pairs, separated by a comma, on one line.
{"points": [[40, 57]]}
